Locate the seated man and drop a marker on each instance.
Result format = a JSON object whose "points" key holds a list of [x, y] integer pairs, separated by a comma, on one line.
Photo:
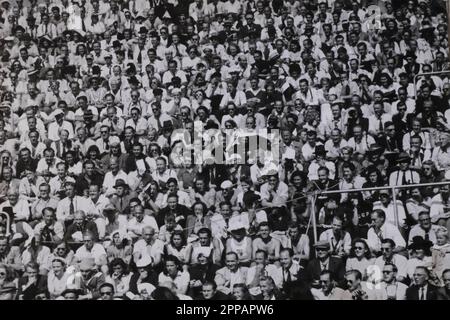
{"points": [[135, 225], [361, 290], [92, 250], [265, 242], [389, 257], [328, 288], [150, 246], [90, 281], [207, 245], [289, 271], [340, 241], [381, 229], [424, 228], [50, 229], [421, 289], [80, 226], [324, 261], [274, 193], [231, 274]]}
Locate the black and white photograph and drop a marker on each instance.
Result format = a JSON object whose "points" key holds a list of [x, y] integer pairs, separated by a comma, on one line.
{"points": [[239, 150]]}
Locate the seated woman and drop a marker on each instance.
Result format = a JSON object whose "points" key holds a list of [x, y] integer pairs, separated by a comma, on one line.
{"points": [[57, 279], [360, 258], [119, 277], [62, 251], [173, 272], [179, 248]]}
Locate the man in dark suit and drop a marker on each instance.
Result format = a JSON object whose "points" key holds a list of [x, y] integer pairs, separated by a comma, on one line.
{"points": [[173, 207], [80, 224], [201, 272], [324, 261], [444, 292], [421, 289], [391, 140]]}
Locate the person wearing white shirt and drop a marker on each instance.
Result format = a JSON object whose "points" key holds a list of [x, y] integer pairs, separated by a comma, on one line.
{"points": [[340, 241], [308, 149], [319, 161], [380, 230], [173, 72], [71, 203], [378, 120], [387, 205], [139, 222], [20, 207], [274, 193], [262, 267], [113, 176], [174, 274], [389, 257], [394, 289], [360, 142], [149, 246], [91, 250]]}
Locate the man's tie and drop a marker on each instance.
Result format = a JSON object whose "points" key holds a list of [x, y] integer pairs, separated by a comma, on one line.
{"points": [[83, 27], [404, 182], [71, 207], [106, 144], [287, 276], [215, 8], [380, 125], [139, 58], [422, 294], [427, 236]]}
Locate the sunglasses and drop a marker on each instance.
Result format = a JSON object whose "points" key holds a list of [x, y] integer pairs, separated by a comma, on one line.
{"points": [[359, 248], [321, 249], [385, 249], [106, 293]]}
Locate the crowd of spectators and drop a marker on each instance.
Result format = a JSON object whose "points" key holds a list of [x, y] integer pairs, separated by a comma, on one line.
{"points": [[102, 192]]}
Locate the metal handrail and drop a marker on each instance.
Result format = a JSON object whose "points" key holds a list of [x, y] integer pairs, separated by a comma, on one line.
{"points": [[425, 74]]}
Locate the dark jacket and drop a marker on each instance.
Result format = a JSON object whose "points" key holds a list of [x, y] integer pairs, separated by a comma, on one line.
{"points": [[87, 226], [30, 292], [179, 210], [203, 273], [412, 293], [22, 165], [152, 279], [83, 184], [335, 265]]}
